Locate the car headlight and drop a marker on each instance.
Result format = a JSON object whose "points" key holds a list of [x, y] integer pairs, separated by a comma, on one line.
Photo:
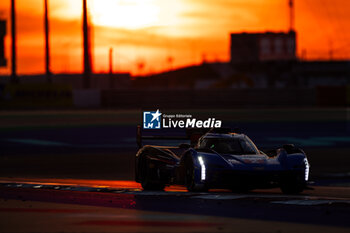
{"points": [[307, 169], [201, 163]]}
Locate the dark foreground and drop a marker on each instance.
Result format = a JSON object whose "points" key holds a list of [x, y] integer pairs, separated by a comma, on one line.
{"points": [[73, 172], [120, 206]]}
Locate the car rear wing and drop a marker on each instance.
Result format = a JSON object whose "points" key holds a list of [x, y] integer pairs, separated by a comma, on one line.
{"points": [[192, 134]]}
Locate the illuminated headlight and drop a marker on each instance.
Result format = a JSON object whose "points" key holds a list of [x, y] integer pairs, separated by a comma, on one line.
{"points": [[307, 169], [201, 162]]}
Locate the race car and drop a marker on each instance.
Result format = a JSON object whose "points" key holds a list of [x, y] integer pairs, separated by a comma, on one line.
{"points": [[219, 158]]}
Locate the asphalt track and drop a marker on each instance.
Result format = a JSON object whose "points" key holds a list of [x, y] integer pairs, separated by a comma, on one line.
{"points": [[321, 209]]}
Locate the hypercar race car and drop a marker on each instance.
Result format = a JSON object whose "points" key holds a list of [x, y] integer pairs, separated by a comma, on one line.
{"points": [[218, 158]]}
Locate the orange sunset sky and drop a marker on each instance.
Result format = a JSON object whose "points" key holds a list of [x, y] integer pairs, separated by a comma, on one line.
{"points": [[151, 31]]}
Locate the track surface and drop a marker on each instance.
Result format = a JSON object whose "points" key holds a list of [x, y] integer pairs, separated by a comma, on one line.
{"points": [[325, 208]]}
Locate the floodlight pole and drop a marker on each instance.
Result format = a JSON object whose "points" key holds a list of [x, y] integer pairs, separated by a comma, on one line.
{"points": [[14, 77], [111, 79], [111, 61], [47, 44], [86, 48], [291, 15]]}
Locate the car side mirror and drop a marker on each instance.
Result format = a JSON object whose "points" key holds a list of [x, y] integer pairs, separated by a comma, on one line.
{"points": [[184, 146]]}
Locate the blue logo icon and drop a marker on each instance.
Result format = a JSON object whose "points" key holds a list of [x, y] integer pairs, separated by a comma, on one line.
{"points": [[151, 120]]}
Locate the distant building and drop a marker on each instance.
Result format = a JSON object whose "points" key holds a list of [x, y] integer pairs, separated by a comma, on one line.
{"points": [[2, 43], [260, 47]]}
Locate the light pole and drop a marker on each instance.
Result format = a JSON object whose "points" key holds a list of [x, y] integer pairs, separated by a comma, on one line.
{"points": [[86, 48], [47, 44], [291, 15], [111, 78], [13, 35]]}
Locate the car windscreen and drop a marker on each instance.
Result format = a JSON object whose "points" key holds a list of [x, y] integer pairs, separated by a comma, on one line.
{"points": [[238, 146]]}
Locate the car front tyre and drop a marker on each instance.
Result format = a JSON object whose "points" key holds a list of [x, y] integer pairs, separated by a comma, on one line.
{"points": [[191, 184]]}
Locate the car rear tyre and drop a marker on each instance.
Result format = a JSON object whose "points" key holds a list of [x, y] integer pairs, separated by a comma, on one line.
{"points": [[148, 176]]}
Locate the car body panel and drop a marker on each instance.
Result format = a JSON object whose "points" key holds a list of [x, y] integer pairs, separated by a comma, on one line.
{"points": [[223, 170]]}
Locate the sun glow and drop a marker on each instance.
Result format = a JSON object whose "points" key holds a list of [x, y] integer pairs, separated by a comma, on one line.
{"points": [[152, 31], [131, 14]]}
